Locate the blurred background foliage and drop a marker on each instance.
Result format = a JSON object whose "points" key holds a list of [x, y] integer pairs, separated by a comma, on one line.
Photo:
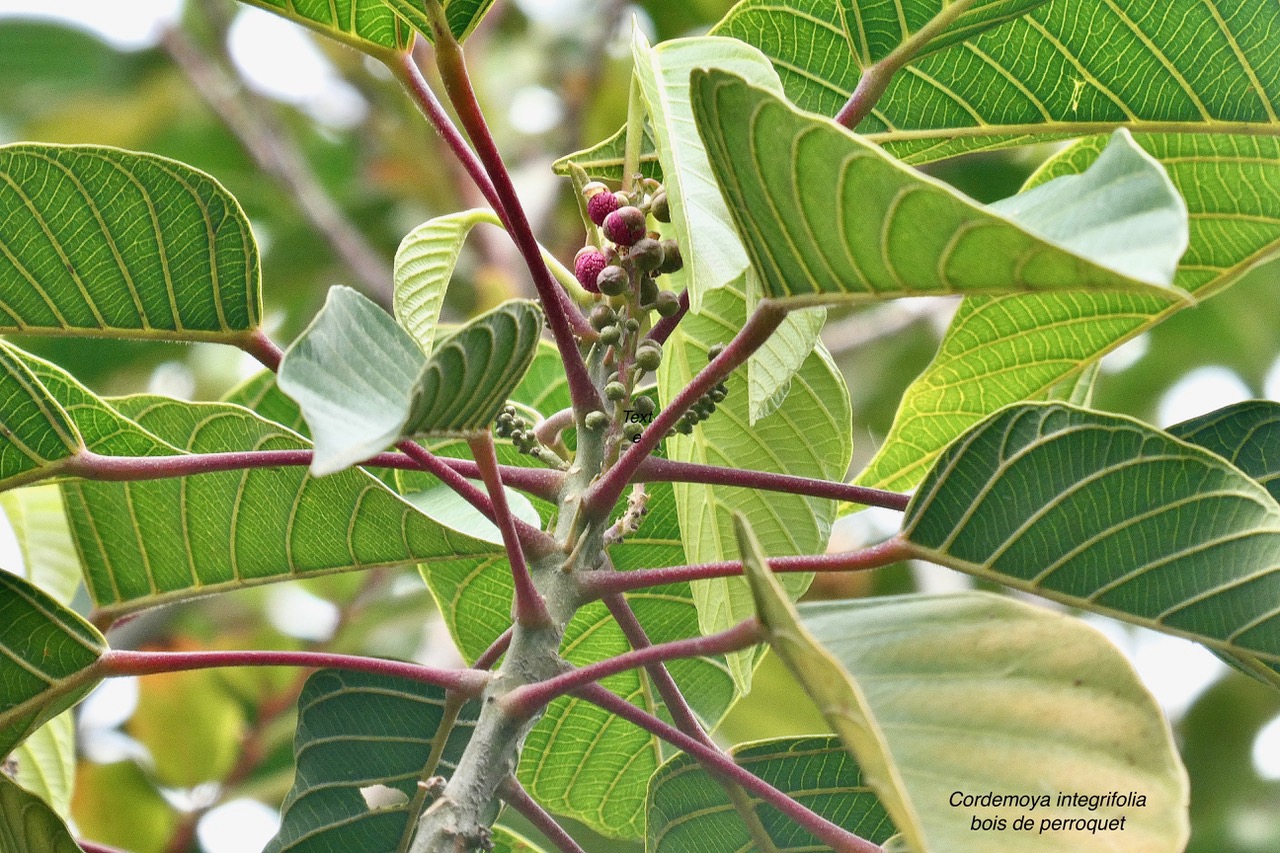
{"points": [[334, 166]]}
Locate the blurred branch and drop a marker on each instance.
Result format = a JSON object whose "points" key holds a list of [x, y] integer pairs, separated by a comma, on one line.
{"points": [[277, 153], [583, 83]]}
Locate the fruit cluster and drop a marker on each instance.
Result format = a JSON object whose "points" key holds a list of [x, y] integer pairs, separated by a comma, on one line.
{"points": [[512, 425]]}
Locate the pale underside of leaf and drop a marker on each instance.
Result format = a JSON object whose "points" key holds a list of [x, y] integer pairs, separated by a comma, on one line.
{"points": [[860, 226], [29, 825], [100, 241], [1108, 514], [423, 267], [975, 692]]}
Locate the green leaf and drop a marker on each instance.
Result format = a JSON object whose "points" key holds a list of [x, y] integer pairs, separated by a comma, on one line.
{"points": [[369, 26], [865, 227], [507, 841], [604, 160], [810, 435], [1000, 350], [150, 542], [579, 760], [356, 730], [1108, 514], [424, 265], [965, 692], [689, 810], [260, 395], [100, 241], [363, 383], [1064, 69], [37, 438], [700, 221], [40, 527], [463, 15], [28, 825], [47, 762], [1246, 435], [47, 659]]}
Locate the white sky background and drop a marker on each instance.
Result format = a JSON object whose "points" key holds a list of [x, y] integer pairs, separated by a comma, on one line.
{"points": [[279, 60]]}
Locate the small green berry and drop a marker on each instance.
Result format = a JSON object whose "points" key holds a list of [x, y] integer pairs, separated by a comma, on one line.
{"points": [[648, 358], [660, 207], [632, 431], [672, 260], [648, 292], [610, 335], [632, 324], [667, 304], [718, 393], [644, 405], [602, 316], [684, 427], [596, 421], [613, 281], [615, 391], [714, 352], [647, 254]]}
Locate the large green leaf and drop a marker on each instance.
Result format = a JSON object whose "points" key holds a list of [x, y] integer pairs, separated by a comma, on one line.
{"points": [[810, 435], [47, 658], [1246, 435], [37, 438], [579, 760], [144, 543], [828, 217], [1108, 514], [29, 825], [700, 221], [99, 241], [1067, 68], [463, 15], [978, 693], [689, 810], [367, 25], [358, 730], [363, 383], [1000, 350]]}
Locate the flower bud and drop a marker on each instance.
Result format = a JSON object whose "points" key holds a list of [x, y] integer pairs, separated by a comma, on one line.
{"points": [[625, 225], [587, 265], [613, 281]]}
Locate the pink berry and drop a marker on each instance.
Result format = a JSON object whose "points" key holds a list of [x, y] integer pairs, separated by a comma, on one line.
{"points": [[601, 205], [587, 265], [625, 225]]}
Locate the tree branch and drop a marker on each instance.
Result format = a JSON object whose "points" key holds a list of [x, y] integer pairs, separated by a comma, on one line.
{"points": [[601, 583], [514, 794], [540, 482], [654, 469], [762, 323], [840, 840], [278, 154], [118, 662], [530, 609], [563, 316], [876, 77], [527, 700], [663, 328]]}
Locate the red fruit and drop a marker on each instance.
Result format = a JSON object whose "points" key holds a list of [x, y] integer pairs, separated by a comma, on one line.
{"points": [[601, 205], [625, 225], [587, 266]]}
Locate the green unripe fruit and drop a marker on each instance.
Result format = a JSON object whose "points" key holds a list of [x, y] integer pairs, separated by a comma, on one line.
{"points": [[596, 421], [632, 324], [672, 260], [613, 281], [667, 304], [644, 405], [718, 393], [660, 207], [647, 254], [714, 352], [632, 431], [648, 358], [648, 292], [602, 316], [610, 335], [684, 427], [615, 391]]}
